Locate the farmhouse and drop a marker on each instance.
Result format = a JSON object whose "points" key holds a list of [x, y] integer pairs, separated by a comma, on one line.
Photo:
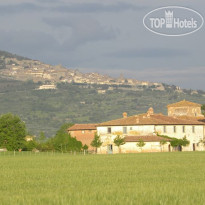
{"points": [[84, 133], [184, 121], [148, 127]]}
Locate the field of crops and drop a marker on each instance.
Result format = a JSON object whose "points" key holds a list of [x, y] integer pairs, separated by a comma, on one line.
{"points": [[152, 178]]}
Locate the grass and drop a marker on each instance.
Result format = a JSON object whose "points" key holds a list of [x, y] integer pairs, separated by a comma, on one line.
{"points": [[157, 178]]}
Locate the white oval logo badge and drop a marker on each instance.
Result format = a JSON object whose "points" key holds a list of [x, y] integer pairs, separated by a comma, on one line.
{"points": [[173, 21]]}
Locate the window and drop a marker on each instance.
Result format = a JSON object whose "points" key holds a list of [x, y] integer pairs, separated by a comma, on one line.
{"points": [[124, 130], [183, 128], [109, 130], [175, 129], [165, 129], [83, 131], [193, 129], [130, 128]]}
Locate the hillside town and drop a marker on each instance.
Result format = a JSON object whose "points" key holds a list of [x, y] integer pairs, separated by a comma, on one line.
{"points": [[26, 69]]}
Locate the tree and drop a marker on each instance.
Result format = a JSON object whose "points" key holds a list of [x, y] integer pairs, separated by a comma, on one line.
{"points": [[41, 138], [30, 145], [162, 143], [85, 147], [12, 132], [141, 144], [201, 143], [176, 143], [96, 142], [43, 143], [179, 143], [203, 109], [119, 141], [64, 142]]}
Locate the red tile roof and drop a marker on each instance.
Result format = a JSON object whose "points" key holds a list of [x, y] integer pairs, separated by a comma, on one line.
{"points": [[146, 119], [197, 118], [151, 138], [184, 103], [83, 127]]}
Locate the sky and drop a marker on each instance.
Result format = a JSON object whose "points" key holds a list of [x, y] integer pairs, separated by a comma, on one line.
{"points": [[107, 37]]}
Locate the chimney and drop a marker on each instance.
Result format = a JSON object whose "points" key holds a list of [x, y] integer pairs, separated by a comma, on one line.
{"points": [[137, 120], [150, 111], [124, 114]]}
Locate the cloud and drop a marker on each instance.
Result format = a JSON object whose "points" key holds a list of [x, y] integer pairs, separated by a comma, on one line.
{"points": [[150, 53], [18, 8], [33, 44], [48, 1], [83, 30], [96, 7], [63, 7]]}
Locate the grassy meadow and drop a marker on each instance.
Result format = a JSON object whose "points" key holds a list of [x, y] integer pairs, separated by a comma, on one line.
{"points": [[146, 178]]}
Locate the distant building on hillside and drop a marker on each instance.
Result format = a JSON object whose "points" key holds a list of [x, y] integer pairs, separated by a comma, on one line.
{"points": [[47, 87], [29, 138], [101, 91], [84, 133]]}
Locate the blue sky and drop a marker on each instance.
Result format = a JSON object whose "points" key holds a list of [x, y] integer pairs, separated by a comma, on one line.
{"points": [[104, 36]]}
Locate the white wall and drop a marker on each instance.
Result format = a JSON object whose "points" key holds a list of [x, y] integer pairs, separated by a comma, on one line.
{"points": [[139, 130], [193, 137], [136, 130]]}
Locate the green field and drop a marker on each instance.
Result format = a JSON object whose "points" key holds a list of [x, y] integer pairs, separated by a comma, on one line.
{"points": [[157, 178]]}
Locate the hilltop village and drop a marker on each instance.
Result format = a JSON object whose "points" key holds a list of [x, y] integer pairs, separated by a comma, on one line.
{"points": [[24, 69], [150, 132]]}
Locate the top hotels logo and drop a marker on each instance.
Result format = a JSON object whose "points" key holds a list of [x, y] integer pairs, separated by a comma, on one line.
{"points": [[173, 21]]}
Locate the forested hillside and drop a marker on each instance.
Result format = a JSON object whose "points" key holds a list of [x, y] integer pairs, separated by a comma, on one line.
{"points": [[47, 110]]}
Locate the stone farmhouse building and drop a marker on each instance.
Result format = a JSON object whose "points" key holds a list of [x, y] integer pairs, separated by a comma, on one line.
{"points": [[147, 127], [84, 133], [184, 119], [184, 108]]}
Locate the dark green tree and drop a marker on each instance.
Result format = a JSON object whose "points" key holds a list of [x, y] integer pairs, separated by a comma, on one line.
{"points": [[12, 132], [96, 142], [85, 147], [64, 142], [30, 145], [119, 141], [177, 143], [43, 143], [41, 138]]}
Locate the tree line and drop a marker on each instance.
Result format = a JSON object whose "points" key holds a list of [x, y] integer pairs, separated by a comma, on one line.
{"points": [[14, 136]]}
